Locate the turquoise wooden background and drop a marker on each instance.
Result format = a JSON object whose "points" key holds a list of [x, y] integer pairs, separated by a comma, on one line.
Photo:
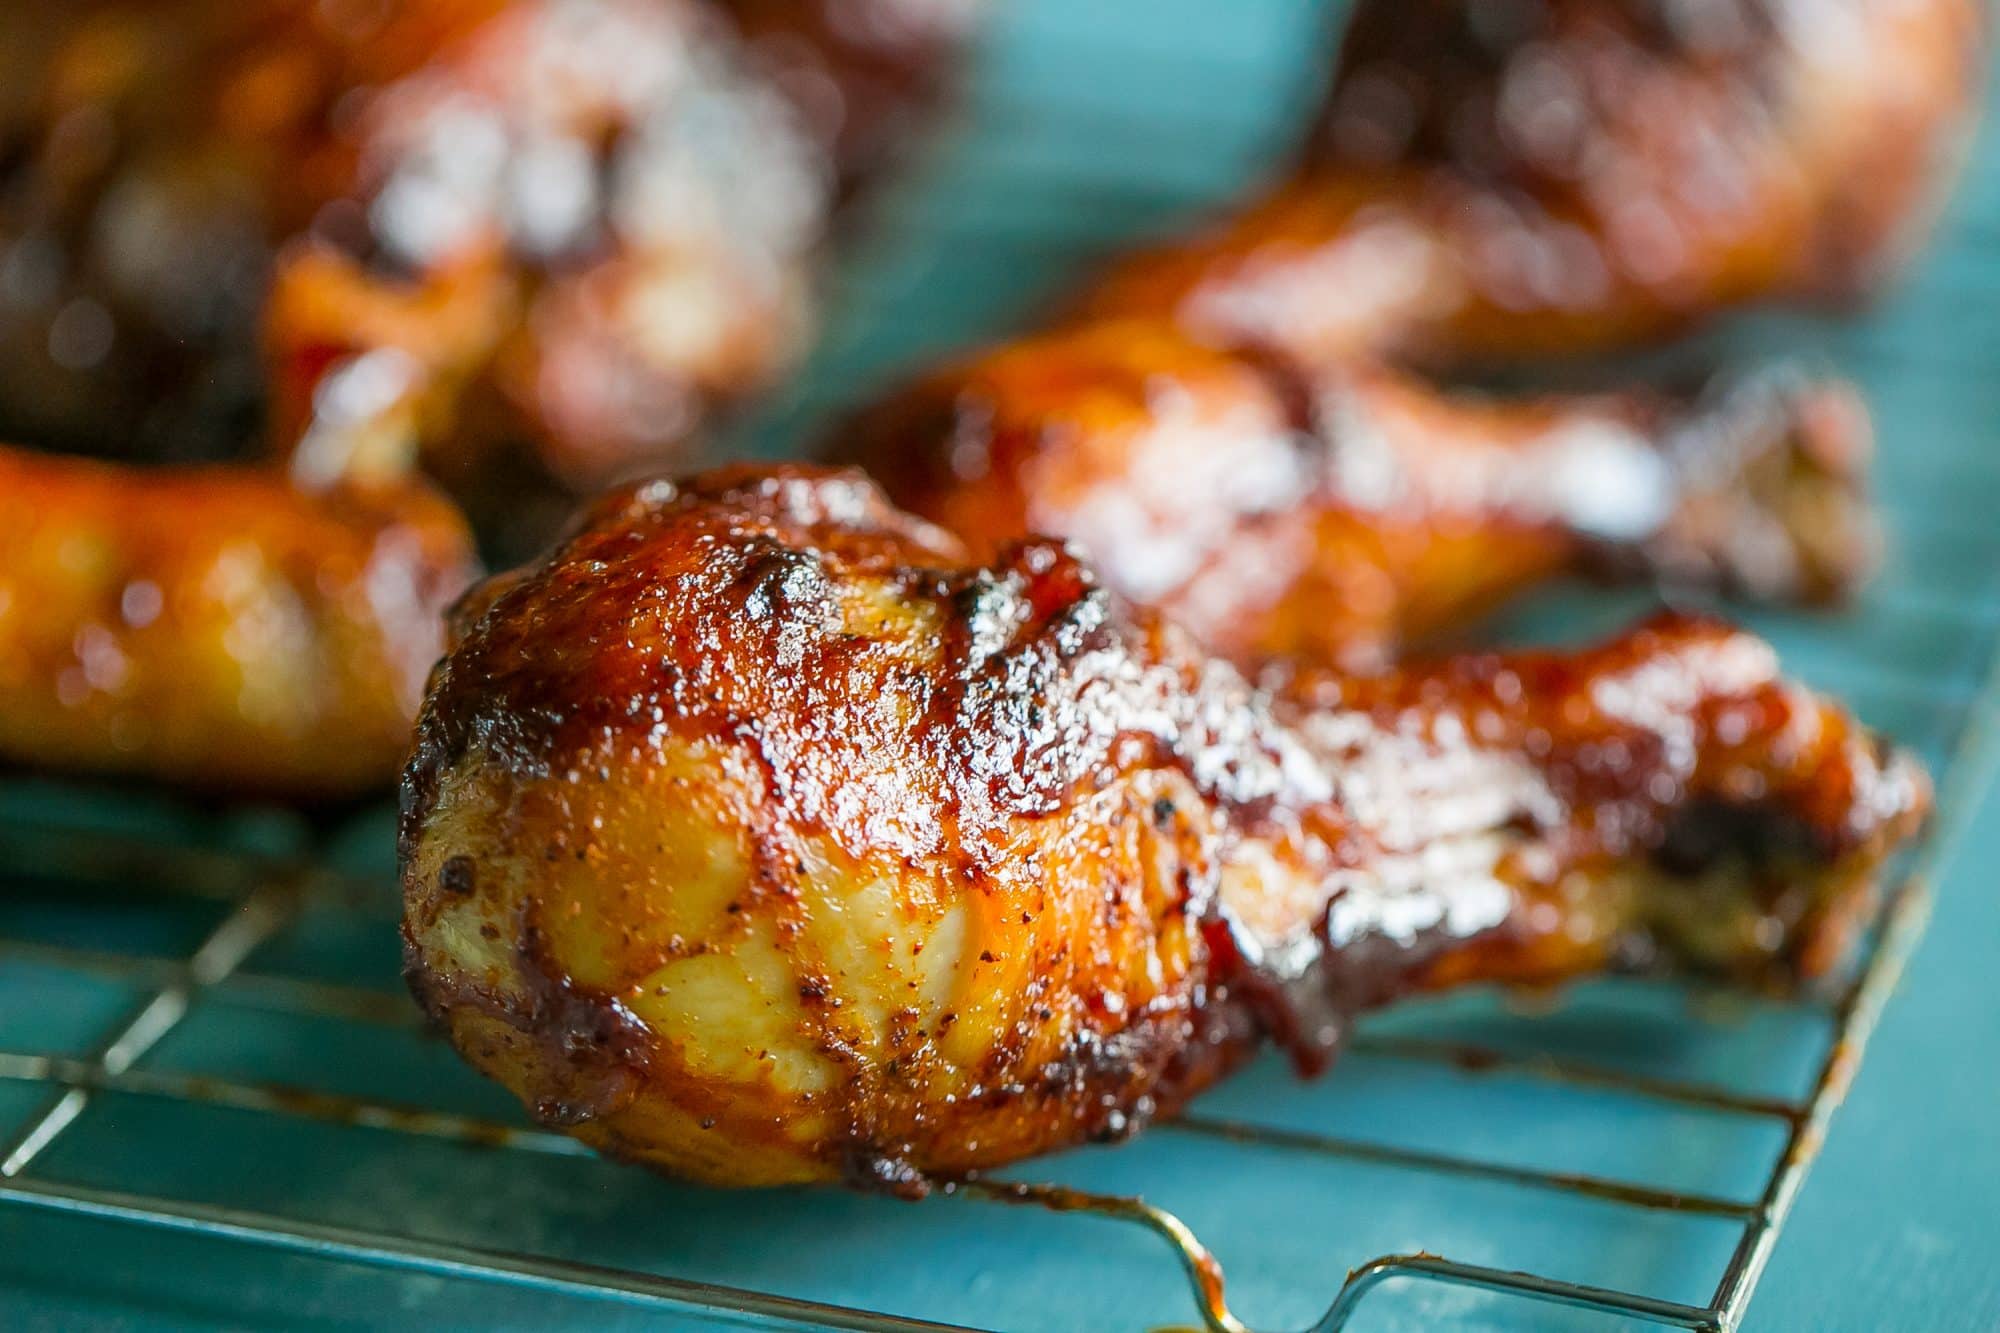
{"points": [[1089, 123]]}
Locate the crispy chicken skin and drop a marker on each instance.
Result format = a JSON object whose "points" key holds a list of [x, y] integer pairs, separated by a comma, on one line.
{"points": [[537, 240], [1343, 515], [759, 835], [216, 627], [1497, 179]]}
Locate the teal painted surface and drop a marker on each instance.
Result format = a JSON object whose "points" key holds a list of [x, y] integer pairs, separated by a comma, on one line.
{"points": [[1898, 1224], [1091, 123]]}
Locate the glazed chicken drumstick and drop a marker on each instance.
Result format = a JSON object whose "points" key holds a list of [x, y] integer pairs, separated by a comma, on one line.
{"points": [[216, 627], [1344, 515], [1493, 180], [759, 835]]}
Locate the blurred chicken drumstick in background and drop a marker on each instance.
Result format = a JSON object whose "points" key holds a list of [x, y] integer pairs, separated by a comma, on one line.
{"points": [[1494, 180], [536, 240], [217, 628], [1345, 516]]}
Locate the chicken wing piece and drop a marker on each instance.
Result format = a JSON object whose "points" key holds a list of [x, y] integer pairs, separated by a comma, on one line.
{"points": [[539, 241], [1493, 180], [758, 835], [1342, 515], [215, 627]]}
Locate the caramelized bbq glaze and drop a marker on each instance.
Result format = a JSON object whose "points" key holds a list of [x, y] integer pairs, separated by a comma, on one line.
{"points": [[759, 835], [216, 627], [1344, 514], [1498, 179]]}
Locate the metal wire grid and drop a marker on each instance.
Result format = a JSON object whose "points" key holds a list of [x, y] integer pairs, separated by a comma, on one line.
{"points": [[275, 894], [268, 907], [267, 897], [267, 901]]}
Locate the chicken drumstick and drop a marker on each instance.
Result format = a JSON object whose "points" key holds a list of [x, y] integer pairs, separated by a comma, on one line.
{"points": [[1492, 180], [538, 241], [1342, 516], [216, 627], [758, 835]]}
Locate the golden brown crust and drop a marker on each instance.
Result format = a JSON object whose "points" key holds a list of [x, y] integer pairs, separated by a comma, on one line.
{"points": [[758, 835], [215, 628]]}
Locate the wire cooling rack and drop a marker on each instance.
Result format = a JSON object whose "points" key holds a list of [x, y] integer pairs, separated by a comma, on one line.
{"points": [[202, 1029]]}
